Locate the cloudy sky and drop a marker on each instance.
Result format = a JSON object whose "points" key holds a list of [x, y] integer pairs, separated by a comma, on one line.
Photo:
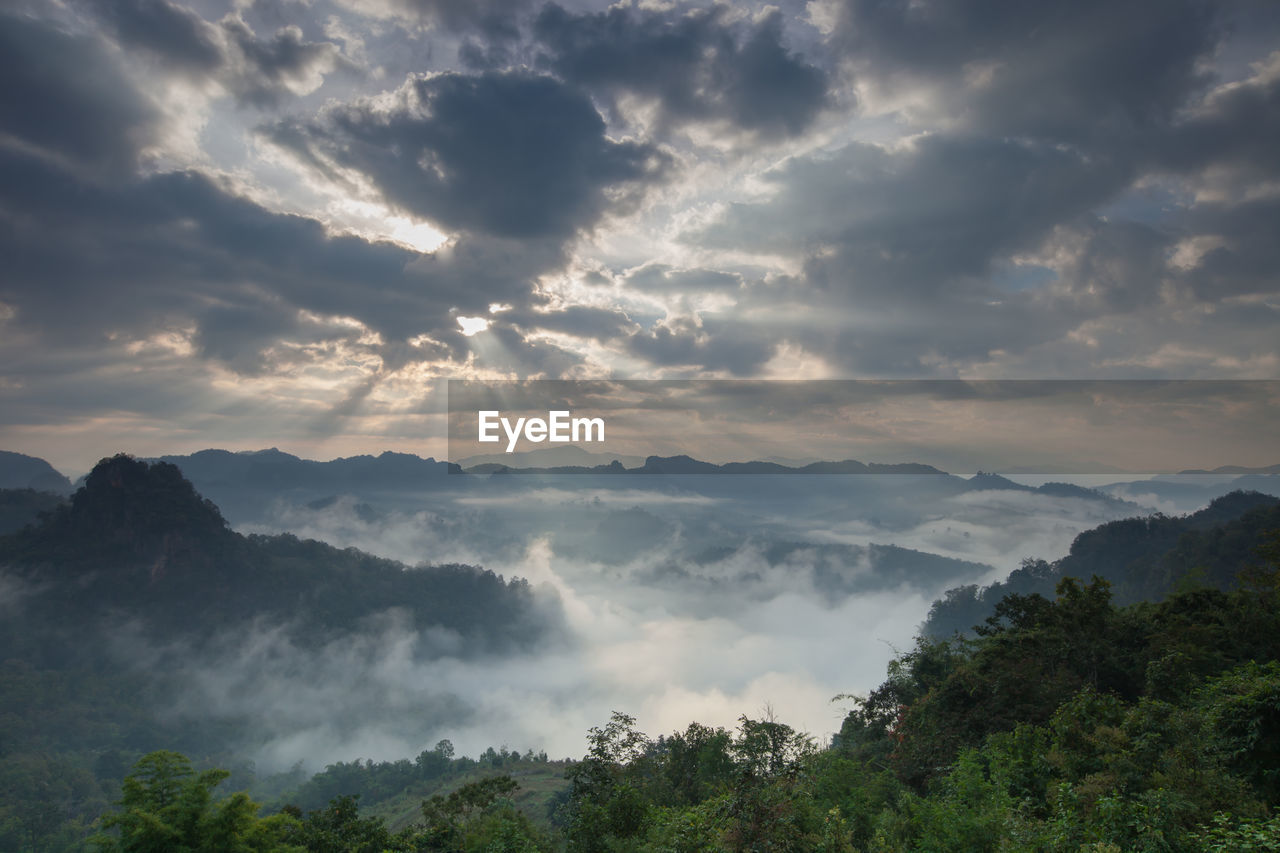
{"points": [[241, 224]]}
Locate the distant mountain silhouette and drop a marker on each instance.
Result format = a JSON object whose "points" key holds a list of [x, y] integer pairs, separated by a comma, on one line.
{"points": [[18, 471], [549, 457], [1229, 470], [1192, 489], [688, 465], [283, 470]]}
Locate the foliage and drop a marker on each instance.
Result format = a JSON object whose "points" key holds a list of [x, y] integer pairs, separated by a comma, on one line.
{"points": [[1144, 559], [167, 807], [1228, 835], [1064, 727], [1066, 723], [137, 540], [21, 507]]}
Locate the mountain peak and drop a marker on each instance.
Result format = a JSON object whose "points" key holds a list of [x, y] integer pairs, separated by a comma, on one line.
{"points": [[147, 510], [986, 480]]}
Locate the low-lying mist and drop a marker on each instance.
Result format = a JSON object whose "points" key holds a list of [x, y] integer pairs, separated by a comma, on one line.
{"points": [[681, 606]]}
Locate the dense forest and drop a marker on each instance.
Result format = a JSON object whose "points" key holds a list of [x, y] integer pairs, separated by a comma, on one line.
{"points": [[114, 600], [1134, 707], [1068, 725], [1144, 559], [138, 543]]}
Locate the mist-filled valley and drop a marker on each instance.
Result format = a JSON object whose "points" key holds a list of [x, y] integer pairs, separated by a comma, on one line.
{"points": [[639, 426], [319, 614], [671, 596], [688, 596]]}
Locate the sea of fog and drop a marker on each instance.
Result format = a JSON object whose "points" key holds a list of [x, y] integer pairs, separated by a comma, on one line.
{"points": [[678, 600]]}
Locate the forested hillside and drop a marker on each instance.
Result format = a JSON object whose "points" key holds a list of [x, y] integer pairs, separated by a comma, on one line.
{"points": [[1144, 559], [117, 602], [1075, 725], [1069, 721], [20, 507], [137, 542]]}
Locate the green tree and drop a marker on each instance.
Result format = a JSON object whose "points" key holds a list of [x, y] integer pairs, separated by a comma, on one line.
{"points": [[339, 829], [606, 802], [449, 819], [167, 807]]}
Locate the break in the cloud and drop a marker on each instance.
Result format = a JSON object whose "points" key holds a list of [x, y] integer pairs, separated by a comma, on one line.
{"points": [[309, 214]]}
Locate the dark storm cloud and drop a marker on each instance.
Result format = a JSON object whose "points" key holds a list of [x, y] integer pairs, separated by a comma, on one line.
{"points": [[1235, 130], [1005, 215], [1116, 267], [917, 320], [1070, 71], [1044, 124], [1249, 255], [180, 37], [696, 63], [65, 98], [899, 226], [257, 70], [262, 70], [505, 348], [511, 155], [236, 333], [84, 261]]}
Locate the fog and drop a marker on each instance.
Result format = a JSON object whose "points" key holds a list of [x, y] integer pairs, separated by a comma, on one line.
{"points": [[684, 601]]}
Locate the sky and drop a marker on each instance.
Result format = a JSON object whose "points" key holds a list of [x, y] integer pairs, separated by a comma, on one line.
{"points": [[1051, 426], [228, 223]]}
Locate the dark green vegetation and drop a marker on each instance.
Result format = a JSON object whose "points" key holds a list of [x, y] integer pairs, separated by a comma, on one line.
{"points": [[1085, 719], [137, 543], [1069, 725], [112, 599], [20, 507], [166, 805], [1144, 559]]}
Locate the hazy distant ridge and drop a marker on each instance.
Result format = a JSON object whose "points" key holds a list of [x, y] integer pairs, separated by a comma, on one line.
{"points": [[19, 471]]}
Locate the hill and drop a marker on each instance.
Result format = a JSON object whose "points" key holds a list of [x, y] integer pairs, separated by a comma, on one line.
{"points": [[1143, 558], [137, 542], [20, 507], [18, 471], [135, 619]]}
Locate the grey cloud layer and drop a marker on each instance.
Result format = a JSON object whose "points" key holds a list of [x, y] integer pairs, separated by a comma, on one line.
{"points": [[92, 119], [990, 233], [513, 155], [837, 189], [93, 250], [85, 259], [257, 71], [1072, 72], [694, 63], [492, 18]]}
